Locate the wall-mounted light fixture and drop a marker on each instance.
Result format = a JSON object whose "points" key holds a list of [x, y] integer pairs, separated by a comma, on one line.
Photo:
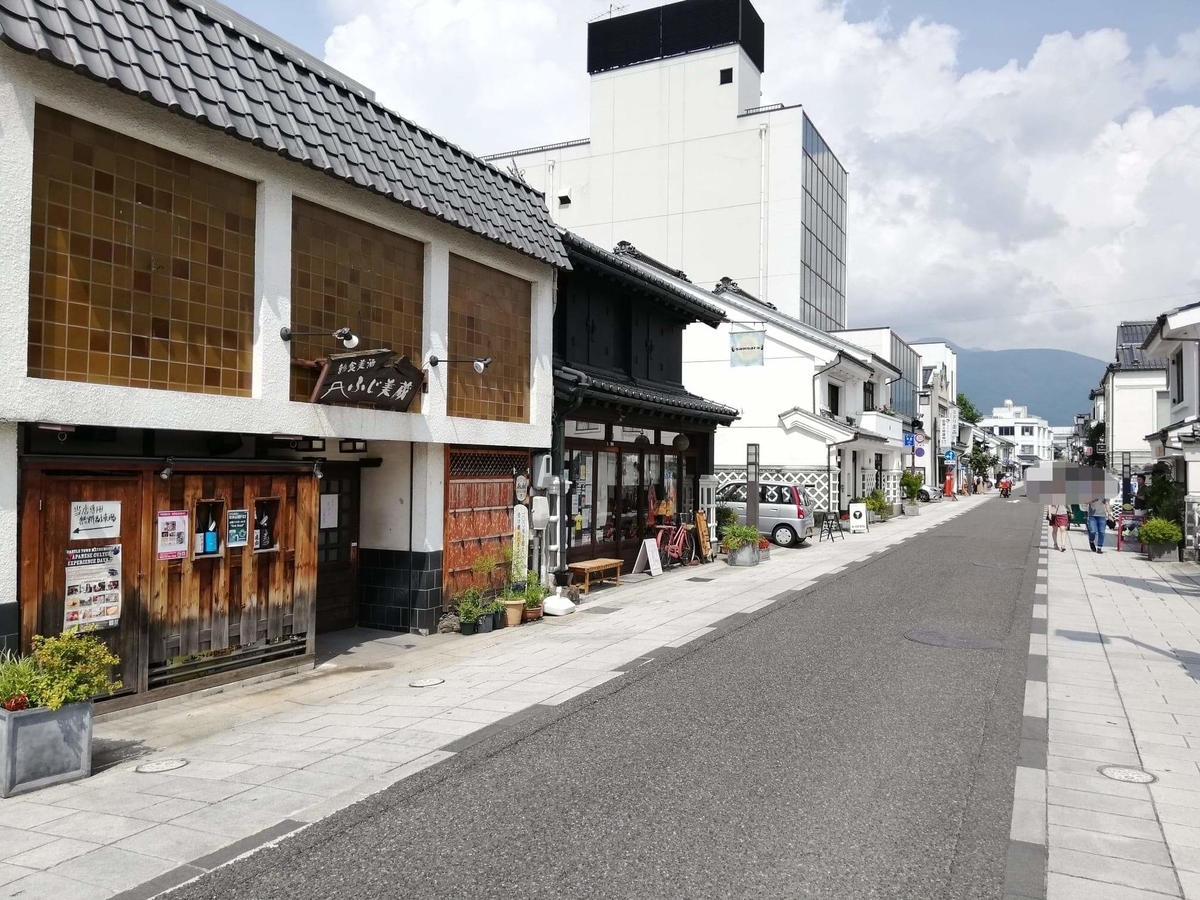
{"points": [[318, 470], [348, 338], [480, 363], [168, 469], [352, 446]]}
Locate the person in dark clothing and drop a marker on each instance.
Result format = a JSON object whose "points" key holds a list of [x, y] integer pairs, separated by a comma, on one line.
{"points": [[1139, 494]]}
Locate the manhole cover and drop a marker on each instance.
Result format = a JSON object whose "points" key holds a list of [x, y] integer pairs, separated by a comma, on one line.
{"points": [[426, 682], [1126, 774], [605, 610], [997, 565], [939, 637], [161, 765], [700, 580]]}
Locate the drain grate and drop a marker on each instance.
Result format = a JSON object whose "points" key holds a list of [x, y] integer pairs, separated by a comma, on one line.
{"points": [[700, 580], [1127, 774], [939, 637]]}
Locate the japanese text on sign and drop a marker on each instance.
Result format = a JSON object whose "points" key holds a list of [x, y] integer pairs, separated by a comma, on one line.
{"points": [[95, 519], [93, 587], [375, 377]]}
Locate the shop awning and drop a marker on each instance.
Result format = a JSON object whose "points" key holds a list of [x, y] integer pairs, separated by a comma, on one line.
{"points": [[631, 396]]}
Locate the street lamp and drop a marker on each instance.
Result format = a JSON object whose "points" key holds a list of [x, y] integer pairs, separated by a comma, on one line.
{"points": [[479, 363]]}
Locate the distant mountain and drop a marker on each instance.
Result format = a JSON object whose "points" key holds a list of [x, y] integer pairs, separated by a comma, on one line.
{"points": [[1054, 384]]}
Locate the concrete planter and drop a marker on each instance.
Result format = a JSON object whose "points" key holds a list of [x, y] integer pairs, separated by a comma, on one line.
{"points": [[41, 747], [744, 556], [1161, 551], [911, 509]]}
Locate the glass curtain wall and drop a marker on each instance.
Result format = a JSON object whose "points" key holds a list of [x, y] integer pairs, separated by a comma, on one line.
{"points": [[823, 288]]}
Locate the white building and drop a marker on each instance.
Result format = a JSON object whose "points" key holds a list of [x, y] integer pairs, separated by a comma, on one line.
{"points": [[938, 412], [815, 406], [683, 161], [1135, 397], [1175, 336], [1035, 443], [157, 239]]}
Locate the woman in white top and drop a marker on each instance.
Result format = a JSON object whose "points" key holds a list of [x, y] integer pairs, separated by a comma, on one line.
{"points": [[1058, 516]]}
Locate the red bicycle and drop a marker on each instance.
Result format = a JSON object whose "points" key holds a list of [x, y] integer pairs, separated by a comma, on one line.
{"points": [[676, 545]]}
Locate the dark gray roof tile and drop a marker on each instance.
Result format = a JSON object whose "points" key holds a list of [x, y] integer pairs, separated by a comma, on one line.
{"points": [[170, 53]]}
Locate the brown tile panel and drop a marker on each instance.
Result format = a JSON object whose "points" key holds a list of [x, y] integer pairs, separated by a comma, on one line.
{"points": [[490, 315], [141, 264], [346, 272]]}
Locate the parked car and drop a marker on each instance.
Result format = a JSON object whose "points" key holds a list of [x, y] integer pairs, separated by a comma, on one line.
{"points": [[785, 511], [929, 492]]}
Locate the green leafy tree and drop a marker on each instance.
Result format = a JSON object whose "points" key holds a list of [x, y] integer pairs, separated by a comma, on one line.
{"points": [[967, 411]]}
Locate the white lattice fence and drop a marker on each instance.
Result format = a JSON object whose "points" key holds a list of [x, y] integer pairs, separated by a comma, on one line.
{"points": [[816, 480]]}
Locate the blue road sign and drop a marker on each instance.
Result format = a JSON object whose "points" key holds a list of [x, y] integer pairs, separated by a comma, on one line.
{"points": [[950, 456], [909, 440]]}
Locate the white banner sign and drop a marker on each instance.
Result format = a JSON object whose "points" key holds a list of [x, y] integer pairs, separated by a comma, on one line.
{"points": [[858, 518], [746, 348], [520, 563]]}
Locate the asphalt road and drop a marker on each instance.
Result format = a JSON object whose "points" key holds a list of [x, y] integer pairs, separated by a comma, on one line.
{"points": [[808, 750]]}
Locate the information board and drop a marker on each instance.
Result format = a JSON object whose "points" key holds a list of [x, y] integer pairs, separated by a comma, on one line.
{"points": [[93, 587]]}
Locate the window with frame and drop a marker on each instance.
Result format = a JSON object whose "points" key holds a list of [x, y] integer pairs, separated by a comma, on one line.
{"points": [[1177, 363], [1006, 430], [732, 493], [1026, 431], [833, 400], [868, 396]]}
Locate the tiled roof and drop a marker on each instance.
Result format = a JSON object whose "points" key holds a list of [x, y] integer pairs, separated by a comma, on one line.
{"points": [[606, 389], [688, 301], [175, 55], [1130, 355]]}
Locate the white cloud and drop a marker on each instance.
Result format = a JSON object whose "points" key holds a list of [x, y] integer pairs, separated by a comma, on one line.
{"points": [[1020, 191]]}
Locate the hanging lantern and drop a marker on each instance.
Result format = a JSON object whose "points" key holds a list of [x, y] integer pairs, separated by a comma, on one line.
{"points": [[681, 442]]}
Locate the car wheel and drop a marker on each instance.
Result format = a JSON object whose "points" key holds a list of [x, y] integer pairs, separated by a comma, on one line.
{"points": [[923, 496], [784, 536]]}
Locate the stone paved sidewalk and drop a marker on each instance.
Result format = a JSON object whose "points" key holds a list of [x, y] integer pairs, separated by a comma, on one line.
{"points": [[1120, 637], [264, 759]]}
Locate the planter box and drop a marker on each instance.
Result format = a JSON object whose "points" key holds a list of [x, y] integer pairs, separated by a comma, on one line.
{"points": [[911, 509], [746, 556], [41, 747], [1160, 551], [764, 553], [485, 623]]}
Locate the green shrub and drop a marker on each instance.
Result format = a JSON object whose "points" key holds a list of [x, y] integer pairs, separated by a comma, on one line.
{"points": [[470, 605], [69, 668], [535, 593], [495, 607], [877, 503], [910, 484], [737, 536], [726, 517], [18, 679], [1157, 530]]}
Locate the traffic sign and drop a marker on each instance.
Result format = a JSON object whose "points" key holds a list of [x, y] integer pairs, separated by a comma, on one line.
{"points": [[920, 451], [909, 440], [950, 456], [919, 437]]}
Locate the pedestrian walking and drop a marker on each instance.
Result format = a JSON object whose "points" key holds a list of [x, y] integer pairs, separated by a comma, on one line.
{"points": [[1097, 523], [1058, 515]]}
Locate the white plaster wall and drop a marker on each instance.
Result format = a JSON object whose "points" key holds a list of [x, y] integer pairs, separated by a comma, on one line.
{"points": [[384, 499], [1190, 404], [1134, 410], [25, 79]]}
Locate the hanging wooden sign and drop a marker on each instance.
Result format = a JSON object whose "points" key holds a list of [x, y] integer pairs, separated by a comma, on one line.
{"points": [[377, 377]]}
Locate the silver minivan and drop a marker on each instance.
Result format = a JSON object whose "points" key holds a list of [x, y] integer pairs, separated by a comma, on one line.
{"points": [[785, 511]]}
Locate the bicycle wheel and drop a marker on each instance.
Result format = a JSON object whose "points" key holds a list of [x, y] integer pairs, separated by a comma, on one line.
{"points": [[689, 552]]}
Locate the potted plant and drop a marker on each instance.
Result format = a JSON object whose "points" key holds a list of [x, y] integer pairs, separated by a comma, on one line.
{"points": [[482, 567], [725, 517], [512, 604], [764, 548], [46, 710], [470, 611], [910, 485], [740, 543], [878, 506], [1159, 536], [495, 610], [534, 594]]}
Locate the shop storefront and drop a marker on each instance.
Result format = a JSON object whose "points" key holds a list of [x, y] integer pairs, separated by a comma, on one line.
{"points": [[624, 482]]}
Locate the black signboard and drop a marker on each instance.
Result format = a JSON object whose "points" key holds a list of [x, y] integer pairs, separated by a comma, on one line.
{"points": [[377, 377]]}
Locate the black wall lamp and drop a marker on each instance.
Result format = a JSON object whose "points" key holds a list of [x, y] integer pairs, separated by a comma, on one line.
{"points": [[480, 363], [348, 338]]}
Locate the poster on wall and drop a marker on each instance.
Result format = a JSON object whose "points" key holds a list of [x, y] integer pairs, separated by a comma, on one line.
{"points": [[520, 563], [93, 588], [329, 511], [172, 533], [237, 528], [96, 519]]}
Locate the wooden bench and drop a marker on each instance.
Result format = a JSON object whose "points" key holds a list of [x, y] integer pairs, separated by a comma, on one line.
{"points": [[589, 567]]}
